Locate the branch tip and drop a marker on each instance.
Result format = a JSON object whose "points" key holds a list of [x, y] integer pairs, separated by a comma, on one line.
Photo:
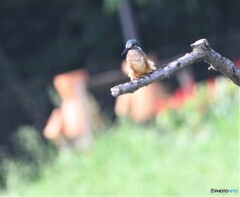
{"points": [[115, 91], [200, 42]]}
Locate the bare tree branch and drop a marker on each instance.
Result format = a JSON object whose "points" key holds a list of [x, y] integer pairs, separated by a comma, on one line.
{"points": [[201, 52]]}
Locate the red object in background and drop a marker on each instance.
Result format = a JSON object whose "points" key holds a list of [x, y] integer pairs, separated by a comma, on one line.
{"points": [[237, 62], [181, 95], [211, 86]]}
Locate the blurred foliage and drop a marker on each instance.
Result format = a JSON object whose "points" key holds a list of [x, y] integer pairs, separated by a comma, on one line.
{"points": [[167, 27], [185, 152], [54, 96], [111, 6], [33, 154], [203, 109], [43, 38], [47, 37]]}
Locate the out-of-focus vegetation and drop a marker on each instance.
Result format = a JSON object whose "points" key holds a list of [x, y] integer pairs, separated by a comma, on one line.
{"points": [[48, 37], [186, 151], [40, 39]]}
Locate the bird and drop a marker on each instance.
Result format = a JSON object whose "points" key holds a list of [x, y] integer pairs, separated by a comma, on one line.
{"points": [[138, 63]]}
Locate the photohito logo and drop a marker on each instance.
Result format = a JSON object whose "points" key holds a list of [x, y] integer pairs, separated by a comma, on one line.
{"points": [[224, 191]]}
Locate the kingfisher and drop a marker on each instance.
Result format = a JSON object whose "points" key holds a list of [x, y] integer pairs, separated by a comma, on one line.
{"points": [[138, 64]]}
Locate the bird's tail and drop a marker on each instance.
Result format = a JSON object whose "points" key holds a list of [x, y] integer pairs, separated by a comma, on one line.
{"points": [[151, 64]]}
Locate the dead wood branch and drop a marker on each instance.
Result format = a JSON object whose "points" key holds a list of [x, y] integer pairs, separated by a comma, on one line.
{"points": [[201, 52]]}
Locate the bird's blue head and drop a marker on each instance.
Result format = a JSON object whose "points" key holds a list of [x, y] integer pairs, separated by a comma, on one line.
{"points": [[131, 44]]}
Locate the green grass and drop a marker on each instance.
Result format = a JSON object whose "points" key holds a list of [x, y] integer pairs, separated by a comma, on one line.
{"points": [[185, 152]]}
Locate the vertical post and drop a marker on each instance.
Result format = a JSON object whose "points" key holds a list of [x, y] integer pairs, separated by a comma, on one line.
{"points": [[127, 21]]}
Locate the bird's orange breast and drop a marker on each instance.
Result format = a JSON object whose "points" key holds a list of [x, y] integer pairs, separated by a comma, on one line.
{"points": [[137, 64]]}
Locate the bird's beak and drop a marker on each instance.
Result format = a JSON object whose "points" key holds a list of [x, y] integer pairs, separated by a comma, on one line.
{"points": [[125, 51], [140, 49]]}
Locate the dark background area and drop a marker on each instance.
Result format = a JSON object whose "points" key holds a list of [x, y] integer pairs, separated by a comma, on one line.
{"points": [[40, 39]]}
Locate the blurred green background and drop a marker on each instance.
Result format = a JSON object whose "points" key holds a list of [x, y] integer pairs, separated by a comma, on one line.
{"points": [[182, 152]]}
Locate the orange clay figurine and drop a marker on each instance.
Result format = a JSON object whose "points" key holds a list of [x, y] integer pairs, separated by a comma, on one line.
{"points": [[137, 62]]}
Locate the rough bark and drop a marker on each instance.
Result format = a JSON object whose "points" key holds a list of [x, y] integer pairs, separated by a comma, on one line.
{"points": [[201, 52]]}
